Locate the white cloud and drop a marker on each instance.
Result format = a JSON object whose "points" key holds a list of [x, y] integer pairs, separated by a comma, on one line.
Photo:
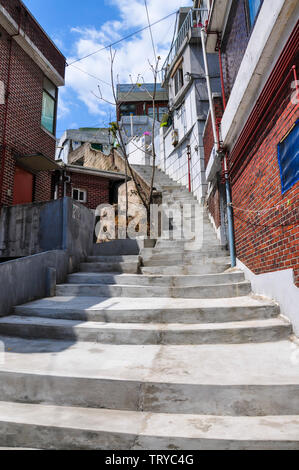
{"points": [[133, 55], [63, 105]]}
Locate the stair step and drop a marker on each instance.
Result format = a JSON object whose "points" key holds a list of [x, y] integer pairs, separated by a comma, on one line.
{"points": [[92, 277], [175, 259], [54, 427], [114, 259], [113, 267], [253, 331], [146, 310], [235, 289], [229, 379], [183, 269]]}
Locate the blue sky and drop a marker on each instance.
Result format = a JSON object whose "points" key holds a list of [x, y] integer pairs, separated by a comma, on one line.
{"points": [[79, 28]]}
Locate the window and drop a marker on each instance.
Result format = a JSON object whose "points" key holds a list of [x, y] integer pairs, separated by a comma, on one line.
{"points": [[178, 80], [162, 111], [127, 109], [97, 147], [79, 195], [288, 158], [49, 106], [253, 7], [159, 111], [151, 112]]}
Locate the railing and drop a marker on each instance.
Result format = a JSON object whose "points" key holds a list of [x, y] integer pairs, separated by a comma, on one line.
{"points": [[196, 18]]}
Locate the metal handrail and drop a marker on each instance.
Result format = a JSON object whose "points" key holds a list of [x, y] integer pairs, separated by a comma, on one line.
{"points": [[196, 18]]}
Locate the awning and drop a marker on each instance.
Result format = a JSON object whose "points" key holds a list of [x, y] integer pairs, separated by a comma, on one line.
{"points": [[37, 162]]}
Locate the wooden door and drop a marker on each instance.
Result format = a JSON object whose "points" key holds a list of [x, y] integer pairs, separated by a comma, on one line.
{"points": [[23, 187]]}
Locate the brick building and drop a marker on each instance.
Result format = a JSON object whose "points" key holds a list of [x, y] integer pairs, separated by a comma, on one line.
{"points": [[89, 186], [31, 70], [259, 134], [137, 100]]}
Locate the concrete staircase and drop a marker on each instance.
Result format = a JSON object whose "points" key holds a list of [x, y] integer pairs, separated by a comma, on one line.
{"points": [[168, 349]]}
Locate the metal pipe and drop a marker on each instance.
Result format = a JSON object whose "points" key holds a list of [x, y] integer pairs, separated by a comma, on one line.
{"points": [[212, 110], [230, 215], [231, 235], [189, 167]]}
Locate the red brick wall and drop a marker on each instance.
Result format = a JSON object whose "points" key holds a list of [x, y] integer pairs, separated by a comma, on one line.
{"points": [[35, 33], [214, 206], [24, 134], [97, 188], [268, 241]]}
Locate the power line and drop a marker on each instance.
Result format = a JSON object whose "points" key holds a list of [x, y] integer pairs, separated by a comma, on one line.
{"points": [[122, 39], [90, 75], [150, 29]]}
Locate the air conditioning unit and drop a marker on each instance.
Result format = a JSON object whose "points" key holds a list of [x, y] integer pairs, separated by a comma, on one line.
{"points": [[175, 137]]}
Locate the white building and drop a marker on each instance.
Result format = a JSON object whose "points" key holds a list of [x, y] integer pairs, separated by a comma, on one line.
{"points": [[184, 76], [74, 138]]}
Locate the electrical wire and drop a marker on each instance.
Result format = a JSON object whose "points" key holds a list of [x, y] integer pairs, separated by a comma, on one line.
{"points": [[90, 75], [121, 39], [150, 30]]}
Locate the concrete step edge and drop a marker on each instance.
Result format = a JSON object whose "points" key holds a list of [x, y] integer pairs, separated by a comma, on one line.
{"points": [[58, 427]]}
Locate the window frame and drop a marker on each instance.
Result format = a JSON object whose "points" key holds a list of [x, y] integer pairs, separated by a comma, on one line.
{"points": [[285, 187], [128, 105], [55, 99], [80, 190], [178, 80]]}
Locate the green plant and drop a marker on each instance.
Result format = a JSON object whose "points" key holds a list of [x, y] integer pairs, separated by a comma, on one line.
{"points": [[165, 120]]}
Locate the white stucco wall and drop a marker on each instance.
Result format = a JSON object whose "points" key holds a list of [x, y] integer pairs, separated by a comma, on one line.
{"points": [[186, 123], [279, 286]]}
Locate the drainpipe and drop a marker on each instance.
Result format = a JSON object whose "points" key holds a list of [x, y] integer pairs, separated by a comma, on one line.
{"points": [[189, 167], [217, 142], [3, 152], [212, 110]]}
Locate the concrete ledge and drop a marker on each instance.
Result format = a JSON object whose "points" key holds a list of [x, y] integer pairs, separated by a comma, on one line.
{"points": [[25, 279], [278, 285]]}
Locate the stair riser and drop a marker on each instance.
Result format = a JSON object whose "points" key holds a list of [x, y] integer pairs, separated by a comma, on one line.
{"points": [[185, 316], [181, 252], [53, 438], [247, 400], [219, 291], [174, 261], [158, 281], [140, 337], [130, 268], [113, 259], [188, 270]]}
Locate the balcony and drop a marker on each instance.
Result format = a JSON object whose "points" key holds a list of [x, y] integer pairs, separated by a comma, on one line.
{"points": [[196, 18]]}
